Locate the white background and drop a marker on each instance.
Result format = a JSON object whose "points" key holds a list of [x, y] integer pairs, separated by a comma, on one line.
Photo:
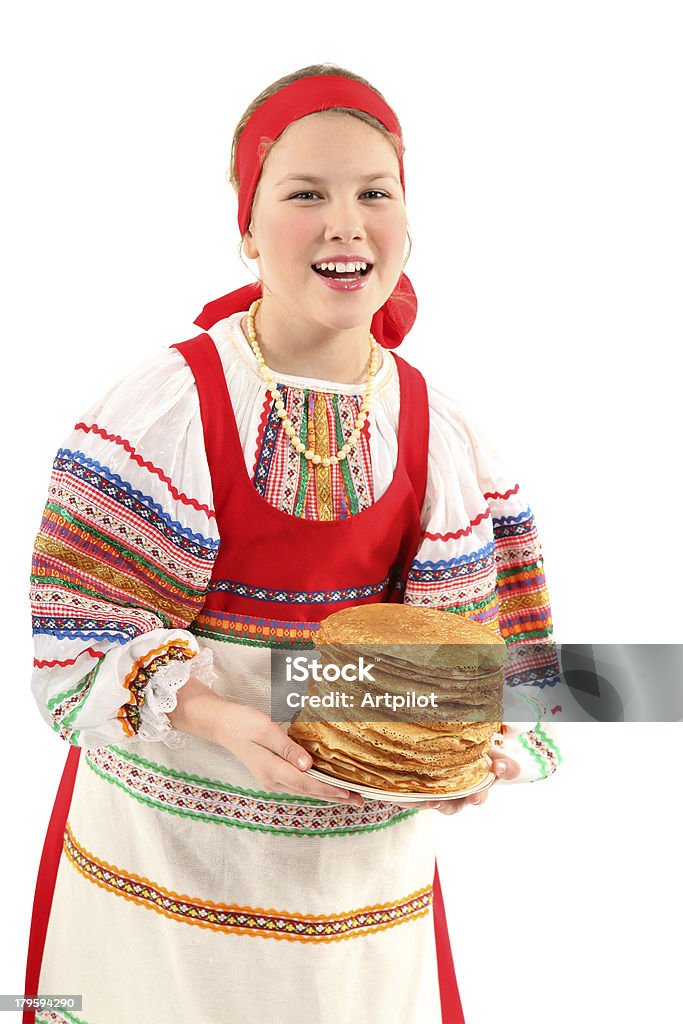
{"points": [[543, 179]]}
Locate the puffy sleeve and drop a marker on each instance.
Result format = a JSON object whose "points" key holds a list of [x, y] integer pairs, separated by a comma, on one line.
{"points": [[480, 556], [122, 562]]}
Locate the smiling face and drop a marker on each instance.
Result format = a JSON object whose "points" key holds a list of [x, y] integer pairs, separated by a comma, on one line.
{"points": [[353, 208]]}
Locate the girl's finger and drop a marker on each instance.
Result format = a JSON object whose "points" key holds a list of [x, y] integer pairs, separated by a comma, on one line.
{"points": [[298, 783], [504, 767], [478, 798], [277, 740], [451, 806]]}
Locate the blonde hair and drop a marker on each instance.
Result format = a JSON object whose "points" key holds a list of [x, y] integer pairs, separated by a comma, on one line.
{"points": [[312, 69]]}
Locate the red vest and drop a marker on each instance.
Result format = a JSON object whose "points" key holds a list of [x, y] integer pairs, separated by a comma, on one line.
{"points": [[281, 566]]}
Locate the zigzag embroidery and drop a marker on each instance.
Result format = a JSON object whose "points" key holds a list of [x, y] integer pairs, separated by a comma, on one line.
{"points": [[84, 460], [67, 634], [502, 497], [265, 922], [299, 596], [70, 661], [458, 533], [527, 514], [266, 447], [146, 465], [265, 413], [458, 560]]}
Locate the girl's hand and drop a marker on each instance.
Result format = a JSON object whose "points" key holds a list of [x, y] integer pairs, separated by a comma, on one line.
{"points": [[504, 768], [273, 758]]}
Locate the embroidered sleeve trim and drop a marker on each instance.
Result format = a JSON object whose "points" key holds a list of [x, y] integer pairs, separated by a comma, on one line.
{"points": [[127, 446]]}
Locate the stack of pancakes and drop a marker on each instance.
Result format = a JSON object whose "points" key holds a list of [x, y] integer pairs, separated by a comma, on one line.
{"points": [[412, 650]]}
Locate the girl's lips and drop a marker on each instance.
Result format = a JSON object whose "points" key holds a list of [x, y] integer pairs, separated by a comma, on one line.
{"points": [[352, 285]]}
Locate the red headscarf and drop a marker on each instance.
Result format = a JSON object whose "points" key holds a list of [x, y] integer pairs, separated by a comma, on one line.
{"points": [[309, 95]]}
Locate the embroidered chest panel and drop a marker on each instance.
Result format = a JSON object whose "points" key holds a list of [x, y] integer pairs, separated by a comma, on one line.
{"points": [[323, 421]]}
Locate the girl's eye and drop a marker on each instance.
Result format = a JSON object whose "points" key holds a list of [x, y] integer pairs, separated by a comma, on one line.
{"points": [[371, 191]]}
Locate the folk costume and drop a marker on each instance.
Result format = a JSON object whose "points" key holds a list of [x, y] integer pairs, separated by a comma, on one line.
{"points": [[184, 534]]}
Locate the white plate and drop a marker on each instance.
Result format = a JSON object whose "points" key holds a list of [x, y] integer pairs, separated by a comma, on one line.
{"points": [[398, 798]]}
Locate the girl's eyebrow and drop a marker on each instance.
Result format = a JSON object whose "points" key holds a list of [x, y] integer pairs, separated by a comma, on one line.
{"points": [[319, 181]]}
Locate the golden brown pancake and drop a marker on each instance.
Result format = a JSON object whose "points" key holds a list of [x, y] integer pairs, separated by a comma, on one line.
{"points": [[410, 648], [454, 641], [474, 674], [375, 753], [465, 778]]}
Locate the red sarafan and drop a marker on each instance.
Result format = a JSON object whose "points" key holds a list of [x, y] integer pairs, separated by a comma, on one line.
{"points": [[206, 515]]}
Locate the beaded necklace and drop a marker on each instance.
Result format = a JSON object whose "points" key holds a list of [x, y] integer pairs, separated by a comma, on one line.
{"points": [[267, 374]]}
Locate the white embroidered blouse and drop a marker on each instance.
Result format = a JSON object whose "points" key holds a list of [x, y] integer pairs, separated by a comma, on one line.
{"points": [[128, 538]]}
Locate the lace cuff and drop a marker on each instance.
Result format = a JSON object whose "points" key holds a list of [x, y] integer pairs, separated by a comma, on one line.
{"points": [[161, 696]]}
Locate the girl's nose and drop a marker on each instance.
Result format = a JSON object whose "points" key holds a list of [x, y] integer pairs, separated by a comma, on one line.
{"points": [[344, 232], [343, 221]]}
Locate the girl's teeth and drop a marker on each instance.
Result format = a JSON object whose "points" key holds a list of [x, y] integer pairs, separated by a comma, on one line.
{"points": [[343, 268]]}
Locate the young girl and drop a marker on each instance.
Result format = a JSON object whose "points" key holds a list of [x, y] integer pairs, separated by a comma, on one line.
{"points": [[218, 502]]}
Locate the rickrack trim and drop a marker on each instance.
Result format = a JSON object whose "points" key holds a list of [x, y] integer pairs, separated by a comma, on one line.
{"points": [[254, 921]]}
